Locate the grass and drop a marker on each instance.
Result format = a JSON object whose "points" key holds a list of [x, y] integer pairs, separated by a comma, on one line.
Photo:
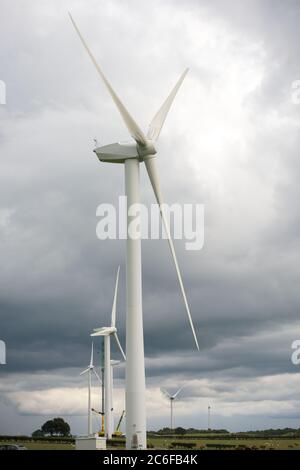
{"points": [[229, 444], [199, 443]]}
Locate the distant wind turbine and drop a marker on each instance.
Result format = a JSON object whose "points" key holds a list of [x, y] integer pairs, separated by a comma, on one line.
{"points": [[172, 398], [107, 332], [89, 371]]}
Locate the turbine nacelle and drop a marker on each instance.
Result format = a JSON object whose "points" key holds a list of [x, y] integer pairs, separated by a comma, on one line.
{"points": [[91, 367], [114, 363], [121, 151], [111, 330], [169, 396], [105, 331]]}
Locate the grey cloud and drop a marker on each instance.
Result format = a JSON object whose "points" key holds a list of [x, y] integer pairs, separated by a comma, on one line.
{"points": [[238, 158]]}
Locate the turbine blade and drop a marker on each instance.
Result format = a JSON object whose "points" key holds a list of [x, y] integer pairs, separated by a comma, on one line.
{"points": [[92, 355], [132, 126], [178, 391], [119, 345], [96, 374], [165, 393], [153, 175], [85, 371], [160, 117], [114, 306]]}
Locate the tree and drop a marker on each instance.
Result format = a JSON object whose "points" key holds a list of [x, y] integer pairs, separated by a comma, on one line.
{"points": [[48, 428], [61, 427], [179, 431], [37, 433], [165, 431], [56, 427]]}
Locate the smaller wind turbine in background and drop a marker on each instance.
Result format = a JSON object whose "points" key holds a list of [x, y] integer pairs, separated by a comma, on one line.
{"points": [[209, 418], [171, 398], [107, 332], [89, 371]]}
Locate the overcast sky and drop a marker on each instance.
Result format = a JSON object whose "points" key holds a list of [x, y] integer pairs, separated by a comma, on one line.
{"points": [[231, 142]]}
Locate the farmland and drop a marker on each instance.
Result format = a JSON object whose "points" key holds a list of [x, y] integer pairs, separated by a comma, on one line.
{"points": [[176, 442]]}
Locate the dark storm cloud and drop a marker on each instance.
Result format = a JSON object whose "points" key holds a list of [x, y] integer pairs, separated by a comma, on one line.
{"points": [[229, 144]]}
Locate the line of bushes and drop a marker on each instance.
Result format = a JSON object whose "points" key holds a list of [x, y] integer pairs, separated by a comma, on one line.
{"points": [[222, 437], [56, 440], [183, 445]]}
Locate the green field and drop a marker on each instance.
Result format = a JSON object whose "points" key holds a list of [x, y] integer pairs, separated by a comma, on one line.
{"points": [[177, 442], [229, 444]]}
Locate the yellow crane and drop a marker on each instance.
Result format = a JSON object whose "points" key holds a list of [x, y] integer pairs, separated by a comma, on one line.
{"points": [[101, 433], [117, 432]]}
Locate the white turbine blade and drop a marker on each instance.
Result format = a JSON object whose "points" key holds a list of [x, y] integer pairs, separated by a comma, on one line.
{"points": [[132, 126], [85, 371], [119, 345], [165, 393], [160, 117], [153, 175], [178, 391], [92, 355], [96, 374], [114, 306]]}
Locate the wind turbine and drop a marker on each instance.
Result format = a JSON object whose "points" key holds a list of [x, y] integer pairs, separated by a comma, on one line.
{"points": [[89, 371], [107, 332], [132, 154], [172, 398]]}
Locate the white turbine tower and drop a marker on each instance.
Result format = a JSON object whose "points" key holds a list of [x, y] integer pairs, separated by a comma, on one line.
{"points": [[172, 398], [107, 332], [89, 371], [113, 364], [132, 154], [208, 417]]}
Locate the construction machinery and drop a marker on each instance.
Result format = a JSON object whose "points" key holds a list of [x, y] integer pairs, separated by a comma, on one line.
{"points": [[117, 432], [100, 433]]}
